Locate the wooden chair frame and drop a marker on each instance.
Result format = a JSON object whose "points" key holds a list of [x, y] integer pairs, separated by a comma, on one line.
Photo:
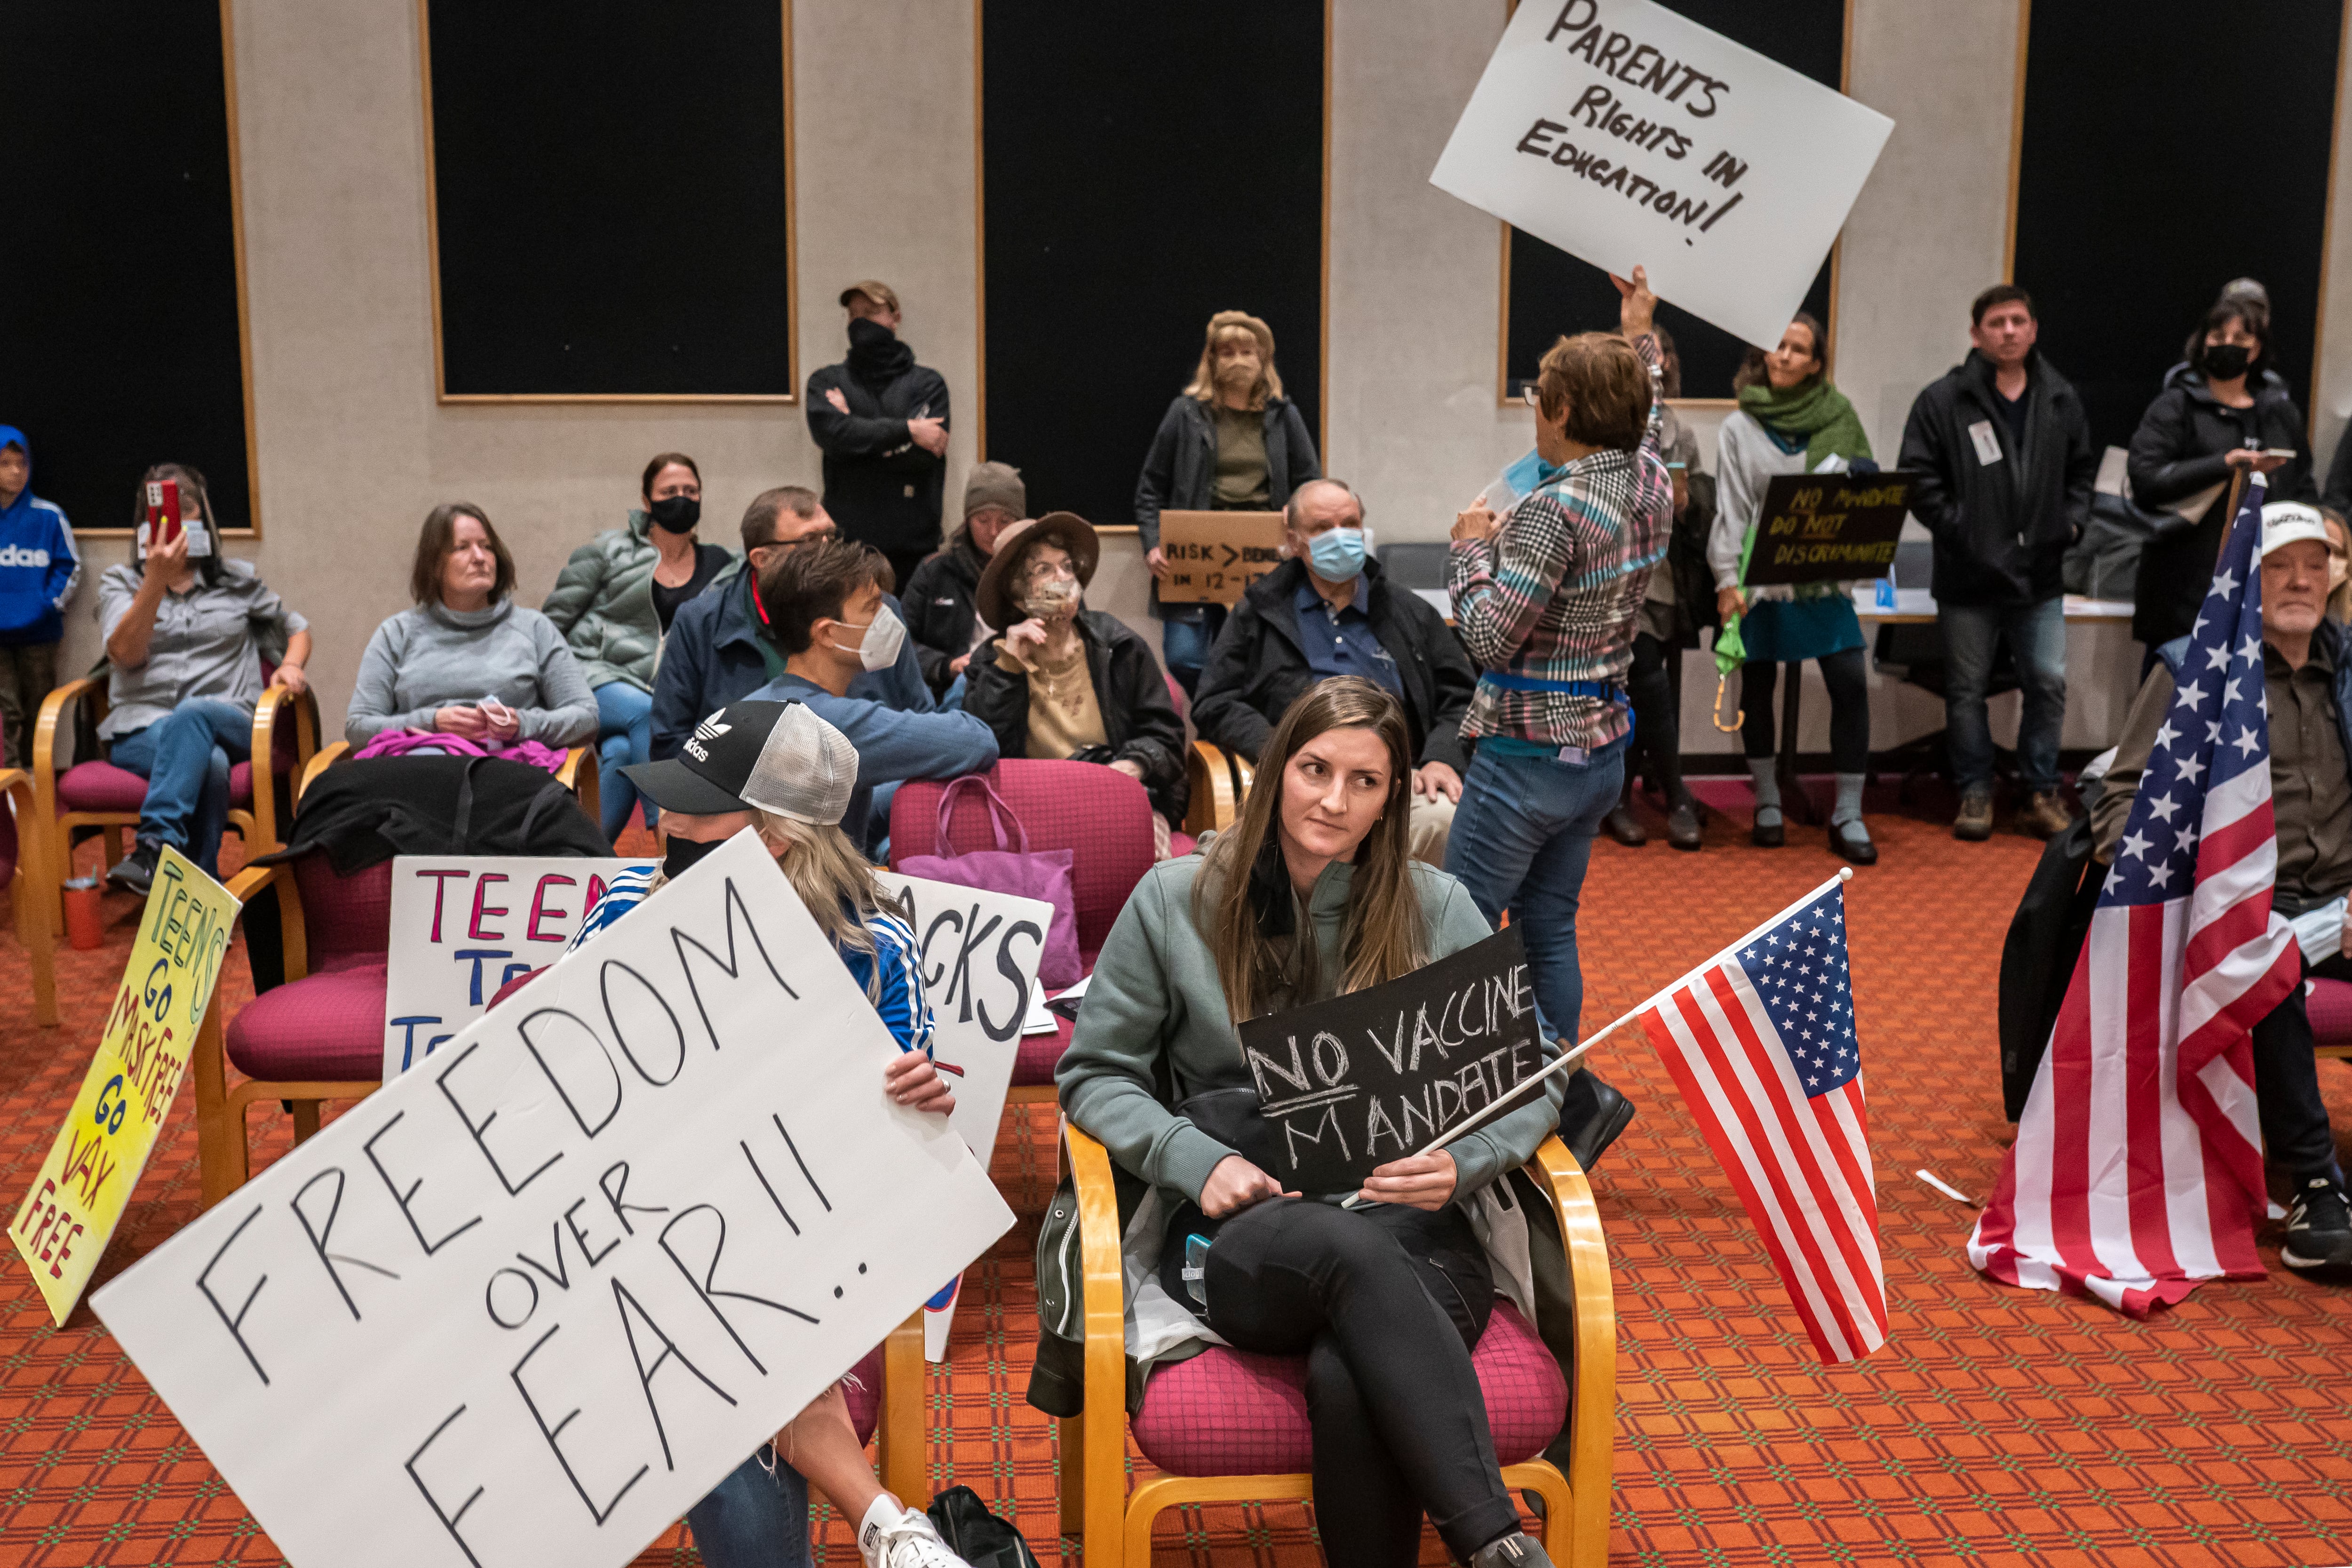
{"points": [[31, 891], [1219, 782], [1116, 1529], [258, 827]]}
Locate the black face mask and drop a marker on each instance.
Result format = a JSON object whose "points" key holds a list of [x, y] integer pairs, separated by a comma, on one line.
{"points": [[683, 853], [2227, 362], [675, 514]]}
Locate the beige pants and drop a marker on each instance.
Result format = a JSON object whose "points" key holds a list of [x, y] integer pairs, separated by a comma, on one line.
{"points": [[1425, 834]]}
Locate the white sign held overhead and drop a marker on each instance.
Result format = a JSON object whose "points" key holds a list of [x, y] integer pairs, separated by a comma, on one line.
{"points": [[464, 925], [1628, 135], [532, 1300]]}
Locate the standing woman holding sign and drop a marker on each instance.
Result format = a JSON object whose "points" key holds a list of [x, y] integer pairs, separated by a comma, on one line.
{"points": [[1791, 420], [1311, 894], [1548, 601]]}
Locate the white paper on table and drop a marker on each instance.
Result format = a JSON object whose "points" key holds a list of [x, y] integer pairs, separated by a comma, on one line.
{"points": [[1628, 135]]}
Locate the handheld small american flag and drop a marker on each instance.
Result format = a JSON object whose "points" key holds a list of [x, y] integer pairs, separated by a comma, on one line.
{"points": [[2137, 1169], [1761, 1040]]}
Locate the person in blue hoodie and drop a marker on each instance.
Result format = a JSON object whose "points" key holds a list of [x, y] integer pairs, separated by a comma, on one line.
{"points": [[826, 612], [39, 569]]}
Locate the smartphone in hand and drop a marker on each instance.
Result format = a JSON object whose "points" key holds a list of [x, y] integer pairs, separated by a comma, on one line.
{"points": [[163, 524]]}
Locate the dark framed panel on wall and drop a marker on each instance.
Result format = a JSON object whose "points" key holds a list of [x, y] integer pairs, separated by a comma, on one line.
{"points": [[1548, 292], [2128, 223], [124, 341], [1134, 180], [609, 196]]}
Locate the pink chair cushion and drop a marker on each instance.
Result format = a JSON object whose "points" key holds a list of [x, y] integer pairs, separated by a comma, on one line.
{"points": [[1180, 845], [1230, 1413], [102, 787], [329, 1025], [2329, 1004], [1098, 812], [1038, 1055], [344, 916]]}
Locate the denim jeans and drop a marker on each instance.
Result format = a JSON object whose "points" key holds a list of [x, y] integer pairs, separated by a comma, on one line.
{"points": [[1185, 633], [625, 734], [186, 759], [2037, 640], [1522, 838], [755, 1518]]}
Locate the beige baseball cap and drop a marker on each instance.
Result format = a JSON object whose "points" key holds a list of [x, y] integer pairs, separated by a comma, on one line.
{"points": [[879, 292]]}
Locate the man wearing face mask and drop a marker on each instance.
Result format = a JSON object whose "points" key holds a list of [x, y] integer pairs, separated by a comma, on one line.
{"points": [[1326, 611], [882, 423], [613, 602], [827, 611]]}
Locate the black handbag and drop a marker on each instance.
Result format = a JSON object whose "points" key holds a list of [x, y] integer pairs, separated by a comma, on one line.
{"points": [[976, 1535]]}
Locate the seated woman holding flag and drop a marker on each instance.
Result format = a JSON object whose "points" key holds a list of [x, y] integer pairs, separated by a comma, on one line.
{"points": [[779, 768], [1312, 894]]}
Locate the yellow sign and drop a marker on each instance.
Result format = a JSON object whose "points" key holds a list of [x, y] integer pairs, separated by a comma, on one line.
{"points": [[1213, 555], [78, 1194]]}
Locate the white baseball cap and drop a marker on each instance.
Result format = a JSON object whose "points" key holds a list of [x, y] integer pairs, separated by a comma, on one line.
{"points": [[2285, 521]]}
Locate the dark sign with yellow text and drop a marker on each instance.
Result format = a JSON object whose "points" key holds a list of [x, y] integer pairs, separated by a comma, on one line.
{"points": [[1828, 528]]}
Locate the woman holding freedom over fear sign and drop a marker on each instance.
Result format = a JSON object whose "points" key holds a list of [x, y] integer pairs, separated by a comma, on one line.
{"points": [[1791, 421], [1310, 894], [779, 768], [1548, 599]]}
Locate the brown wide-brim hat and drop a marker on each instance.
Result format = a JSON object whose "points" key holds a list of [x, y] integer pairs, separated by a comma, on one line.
{"points": [[1066, 529]]}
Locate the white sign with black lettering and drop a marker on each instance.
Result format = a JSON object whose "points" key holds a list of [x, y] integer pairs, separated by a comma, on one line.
{"points": [[464, 925], [528, 1303], [1628, 135]]}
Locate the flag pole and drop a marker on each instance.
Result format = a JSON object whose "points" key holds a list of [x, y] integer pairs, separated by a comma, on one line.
{"points": [[1845, 874]]}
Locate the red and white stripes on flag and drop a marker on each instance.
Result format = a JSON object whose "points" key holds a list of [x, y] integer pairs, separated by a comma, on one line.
{"points": [[2137, 1169], [1760, 1040]]}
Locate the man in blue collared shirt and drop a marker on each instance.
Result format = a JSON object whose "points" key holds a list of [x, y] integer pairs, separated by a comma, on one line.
{"points": [[1326, 612]]}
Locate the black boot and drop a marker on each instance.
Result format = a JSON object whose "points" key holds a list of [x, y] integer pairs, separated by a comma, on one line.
{"points": [[1591, 1115]]}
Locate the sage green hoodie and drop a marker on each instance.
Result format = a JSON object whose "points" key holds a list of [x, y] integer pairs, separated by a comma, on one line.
{"points": [[1155, 994]]}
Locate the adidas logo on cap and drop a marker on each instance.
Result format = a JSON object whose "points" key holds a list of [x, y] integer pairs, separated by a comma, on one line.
{"points": [[710, 729]]}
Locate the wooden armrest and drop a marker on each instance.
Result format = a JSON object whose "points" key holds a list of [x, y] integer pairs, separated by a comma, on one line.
{"points": [[327, 758], [1216, 788], [269, 711], [45, 740], [1592, 1415], [294, 937], [1101, 1429], [580, 770], [906, 1468]]}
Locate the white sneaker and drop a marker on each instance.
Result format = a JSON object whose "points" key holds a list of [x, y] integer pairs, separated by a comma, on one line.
{"points": [[893, 1536]]}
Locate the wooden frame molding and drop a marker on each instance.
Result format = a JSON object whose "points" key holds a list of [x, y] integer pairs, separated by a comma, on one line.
{"points": [[441, 393], [2326, 222], [980, 238], [2016, 139], [1503, 398]]}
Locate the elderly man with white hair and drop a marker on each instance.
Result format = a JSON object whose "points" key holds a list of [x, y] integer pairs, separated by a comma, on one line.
{"points": [[2308, 678]]}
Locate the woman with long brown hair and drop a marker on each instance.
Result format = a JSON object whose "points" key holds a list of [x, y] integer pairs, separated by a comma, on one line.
{"points": [[1312, 893]]}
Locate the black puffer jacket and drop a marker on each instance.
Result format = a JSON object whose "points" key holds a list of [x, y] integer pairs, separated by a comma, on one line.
{"points": [[1258, 667], [2002, 528], [1139, 718], [942, 611], [2177, 452]]}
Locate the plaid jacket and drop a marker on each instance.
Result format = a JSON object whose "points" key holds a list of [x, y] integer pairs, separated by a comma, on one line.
{"points": [[1554, 594]]}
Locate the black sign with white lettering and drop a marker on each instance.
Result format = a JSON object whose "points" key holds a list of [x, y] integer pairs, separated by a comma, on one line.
{"points": [[1352, 1083]]}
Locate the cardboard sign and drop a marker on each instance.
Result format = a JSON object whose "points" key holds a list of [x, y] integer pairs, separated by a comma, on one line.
{"points": [[1825, 527], [1627, 135], [1213, 555], [526, 1305], [464, 925], [77, 1197], [979, 953], [1352, 1083]]}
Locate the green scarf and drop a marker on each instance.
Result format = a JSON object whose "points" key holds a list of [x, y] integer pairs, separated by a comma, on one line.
{"points": [[1815, 410]]}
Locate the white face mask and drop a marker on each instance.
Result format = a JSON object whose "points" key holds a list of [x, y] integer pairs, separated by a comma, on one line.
{"points": [[200, 539], [885, 635]]}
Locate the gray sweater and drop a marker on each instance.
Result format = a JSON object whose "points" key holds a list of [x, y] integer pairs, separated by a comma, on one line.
{"points": [[431, 658], [1155, 994]]}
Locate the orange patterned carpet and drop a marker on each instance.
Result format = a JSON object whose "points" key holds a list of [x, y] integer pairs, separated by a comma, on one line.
{"points": [[1996, 1428]]}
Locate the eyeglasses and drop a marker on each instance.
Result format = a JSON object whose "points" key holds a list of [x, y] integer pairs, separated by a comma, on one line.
{"points": [[1532, 396], [1046, 571], [825, 537]]}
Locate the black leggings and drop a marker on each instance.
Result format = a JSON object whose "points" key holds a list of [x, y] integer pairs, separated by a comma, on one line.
{"points": [[1847, 677], [1657, 717], [1385, 1302]]}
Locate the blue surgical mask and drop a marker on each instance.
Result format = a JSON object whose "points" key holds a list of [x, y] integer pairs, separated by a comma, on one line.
{"points": [[1338, 555]]}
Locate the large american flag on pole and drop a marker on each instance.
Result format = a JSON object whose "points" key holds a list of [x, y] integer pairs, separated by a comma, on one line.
{"points": [[1760, 1038], [2137, 1169]]}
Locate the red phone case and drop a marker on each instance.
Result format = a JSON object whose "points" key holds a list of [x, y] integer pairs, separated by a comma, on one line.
{"points": [[162, 511]]}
